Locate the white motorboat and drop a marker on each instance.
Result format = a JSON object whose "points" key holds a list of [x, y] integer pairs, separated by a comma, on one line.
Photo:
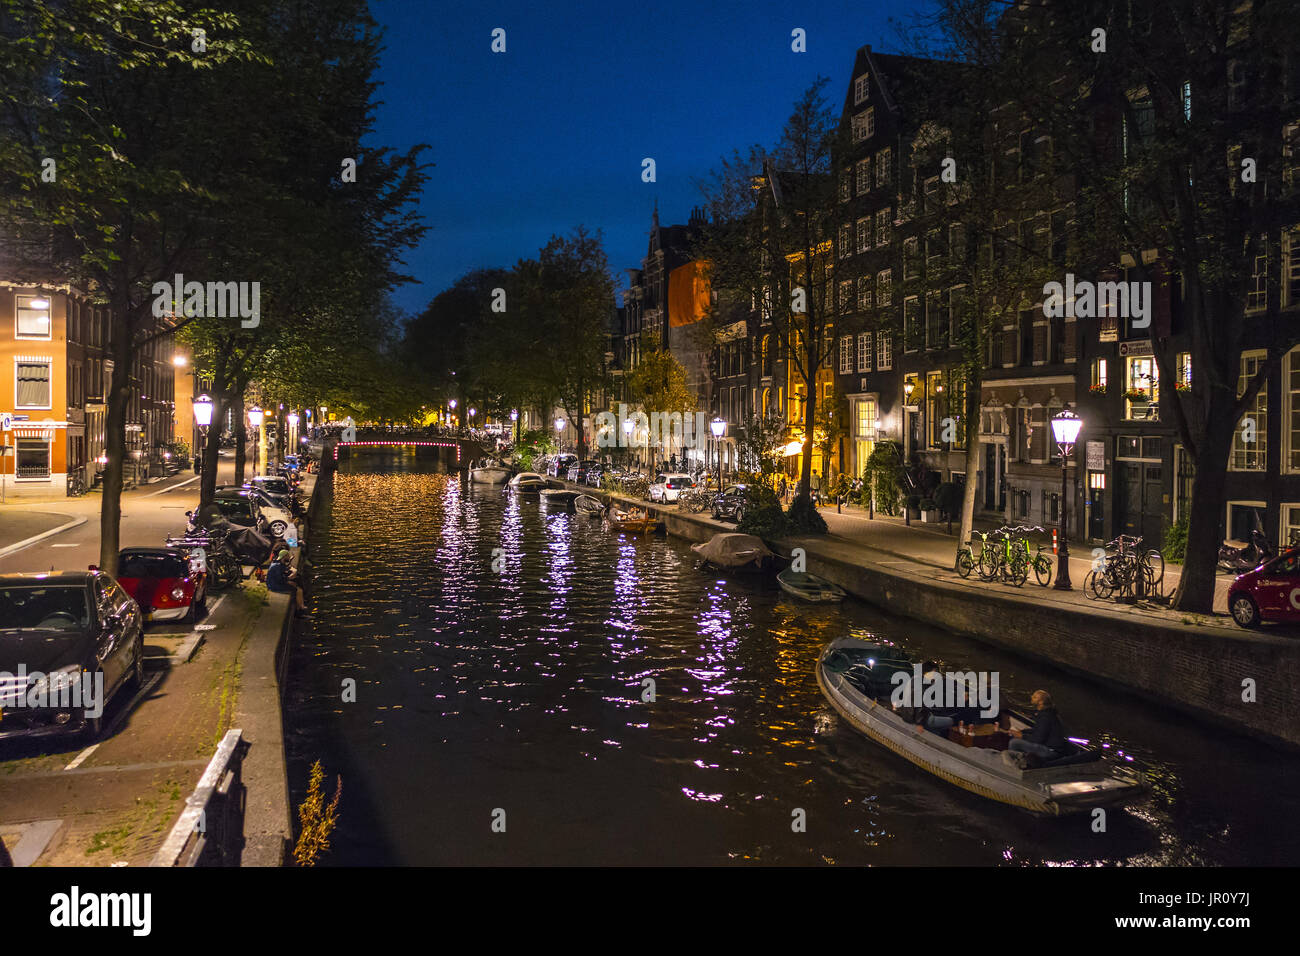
{"points": [[528, 481], [857, 678], [489, 473]]}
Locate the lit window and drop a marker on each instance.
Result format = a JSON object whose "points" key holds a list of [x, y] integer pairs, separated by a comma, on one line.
{"points": [[864, 351], [33, 322], [861, 88]]}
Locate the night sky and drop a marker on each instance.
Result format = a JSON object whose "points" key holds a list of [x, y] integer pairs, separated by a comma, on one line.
{"points": [[552, 133]]}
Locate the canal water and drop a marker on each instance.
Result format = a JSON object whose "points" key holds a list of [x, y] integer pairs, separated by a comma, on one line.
{"points": [[499, 648]]}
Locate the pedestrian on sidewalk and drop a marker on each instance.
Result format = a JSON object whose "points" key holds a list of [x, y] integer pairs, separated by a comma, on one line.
{"points": [[283, 579], [816, 486]]}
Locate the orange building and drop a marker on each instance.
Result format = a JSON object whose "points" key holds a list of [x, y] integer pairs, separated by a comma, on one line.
{"points": [[53, 382]]}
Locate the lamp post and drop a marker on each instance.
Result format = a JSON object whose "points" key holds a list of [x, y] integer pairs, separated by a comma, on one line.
{"points": [[559, 433], [718, 426], [202, 418], [1065, 429], [255, 418], [514, 417], [452, 413], [627, 431]]}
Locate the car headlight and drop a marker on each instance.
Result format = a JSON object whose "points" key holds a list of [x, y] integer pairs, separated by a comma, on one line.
{"points": [[57, 681]]}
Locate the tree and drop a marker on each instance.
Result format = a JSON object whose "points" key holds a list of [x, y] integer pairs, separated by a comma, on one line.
{"points": [[658, 382], [568, 299], [770, 240], [760, 443]]}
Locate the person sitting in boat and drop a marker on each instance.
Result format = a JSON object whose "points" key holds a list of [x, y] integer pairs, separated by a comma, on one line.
{"points": [[1046, 739]]}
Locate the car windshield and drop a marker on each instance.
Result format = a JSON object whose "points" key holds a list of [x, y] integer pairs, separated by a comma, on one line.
{"points": [[51, 607], [152, 566], [277, 487]]}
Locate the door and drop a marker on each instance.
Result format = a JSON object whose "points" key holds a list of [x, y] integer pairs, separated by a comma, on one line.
{"points": [[108, 638], [991, 476], [1139, 501]]}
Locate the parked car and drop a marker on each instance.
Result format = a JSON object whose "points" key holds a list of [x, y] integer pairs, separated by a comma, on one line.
{"points": [[237, 506], [558, 466], [281, 492], [164, 583], [65, 627], [276, 517], [1271, 592], [578, 470], [667, 487], [730, 503]]}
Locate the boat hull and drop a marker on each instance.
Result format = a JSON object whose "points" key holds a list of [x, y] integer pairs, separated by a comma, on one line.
{"points": [[818, 593], [489, 476], [1053, 792]]}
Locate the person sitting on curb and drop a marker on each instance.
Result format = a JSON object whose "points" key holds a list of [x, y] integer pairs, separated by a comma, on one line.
{"points": [[1046, 740], [283, 579]]}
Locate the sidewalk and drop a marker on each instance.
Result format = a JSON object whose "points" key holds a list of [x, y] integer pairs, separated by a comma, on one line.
{"points": [[932, 545]]}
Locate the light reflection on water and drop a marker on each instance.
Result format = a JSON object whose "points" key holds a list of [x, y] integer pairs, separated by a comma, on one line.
{"points": [[520, 688]]}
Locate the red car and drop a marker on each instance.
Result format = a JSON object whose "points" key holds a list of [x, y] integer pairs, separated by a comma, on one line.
{"points": [[1269, 593], [164, 583]]}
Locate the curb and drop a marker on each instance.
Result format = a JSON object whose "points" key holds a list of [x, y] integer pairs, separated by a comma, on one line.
{"points": [[27, 543]]}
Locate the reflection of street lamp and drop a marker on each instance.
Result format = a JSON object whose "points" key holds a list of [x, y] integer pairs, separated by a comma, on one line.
{"points": [[1065, 428], [718, 426]]}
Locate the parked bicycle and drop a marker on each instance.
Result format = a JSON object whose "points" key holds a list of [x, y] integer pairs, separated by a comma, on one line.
{"points": [[968, 560], [1126, 571], [222, 566], [696, 500], [1009, 559], [76, 485]]}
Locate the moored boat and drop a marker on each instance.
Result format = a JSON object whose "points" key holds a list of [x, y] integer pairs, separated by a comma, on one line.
{"points": [[489, 473], [809, 587], [735, 551], [856, 677], [528, 481], [558, 496], [588, 505], [634, 521]]}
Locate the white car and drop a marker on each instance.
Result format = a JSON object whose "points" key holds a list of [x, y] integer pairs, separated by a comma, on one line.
{"points": [[667, 487]]}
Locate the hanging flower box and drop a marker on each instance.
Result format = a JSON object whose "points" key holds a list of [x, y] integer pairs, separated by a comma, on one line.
{"points": [[1137, 395], [1097, 389], [1183, 386]]}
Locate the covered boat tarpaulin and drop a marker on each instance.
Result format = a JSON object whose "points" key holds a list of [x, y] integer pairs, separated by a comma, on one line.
{"points": [[733, 550], [250, 546]]}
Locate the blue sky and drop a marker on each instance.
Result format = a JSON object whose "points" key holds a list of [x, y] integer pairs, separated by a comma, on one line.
{"points": [[552, 133]]}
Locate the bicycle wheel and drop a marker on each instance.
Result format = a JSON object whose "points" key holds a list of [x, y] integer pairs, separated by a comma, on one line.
{"points": [[988, 565], [965, 563], [1154, 560], [1090, 586], [1018, 570], [1104, 584], [1043, 570]]}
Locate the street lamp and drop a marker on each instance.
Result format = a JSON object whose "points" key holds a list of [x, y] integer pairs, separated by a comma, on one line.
{"points": [[514, 418], [202, 418], [559, 436], [180, 361], [1065, 429], [718, 426]]}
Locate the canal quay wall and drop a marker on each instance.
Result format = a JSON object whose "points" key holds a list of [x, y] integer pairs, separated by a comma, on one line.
{"points": [[1197, 670], [268, 813]]}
